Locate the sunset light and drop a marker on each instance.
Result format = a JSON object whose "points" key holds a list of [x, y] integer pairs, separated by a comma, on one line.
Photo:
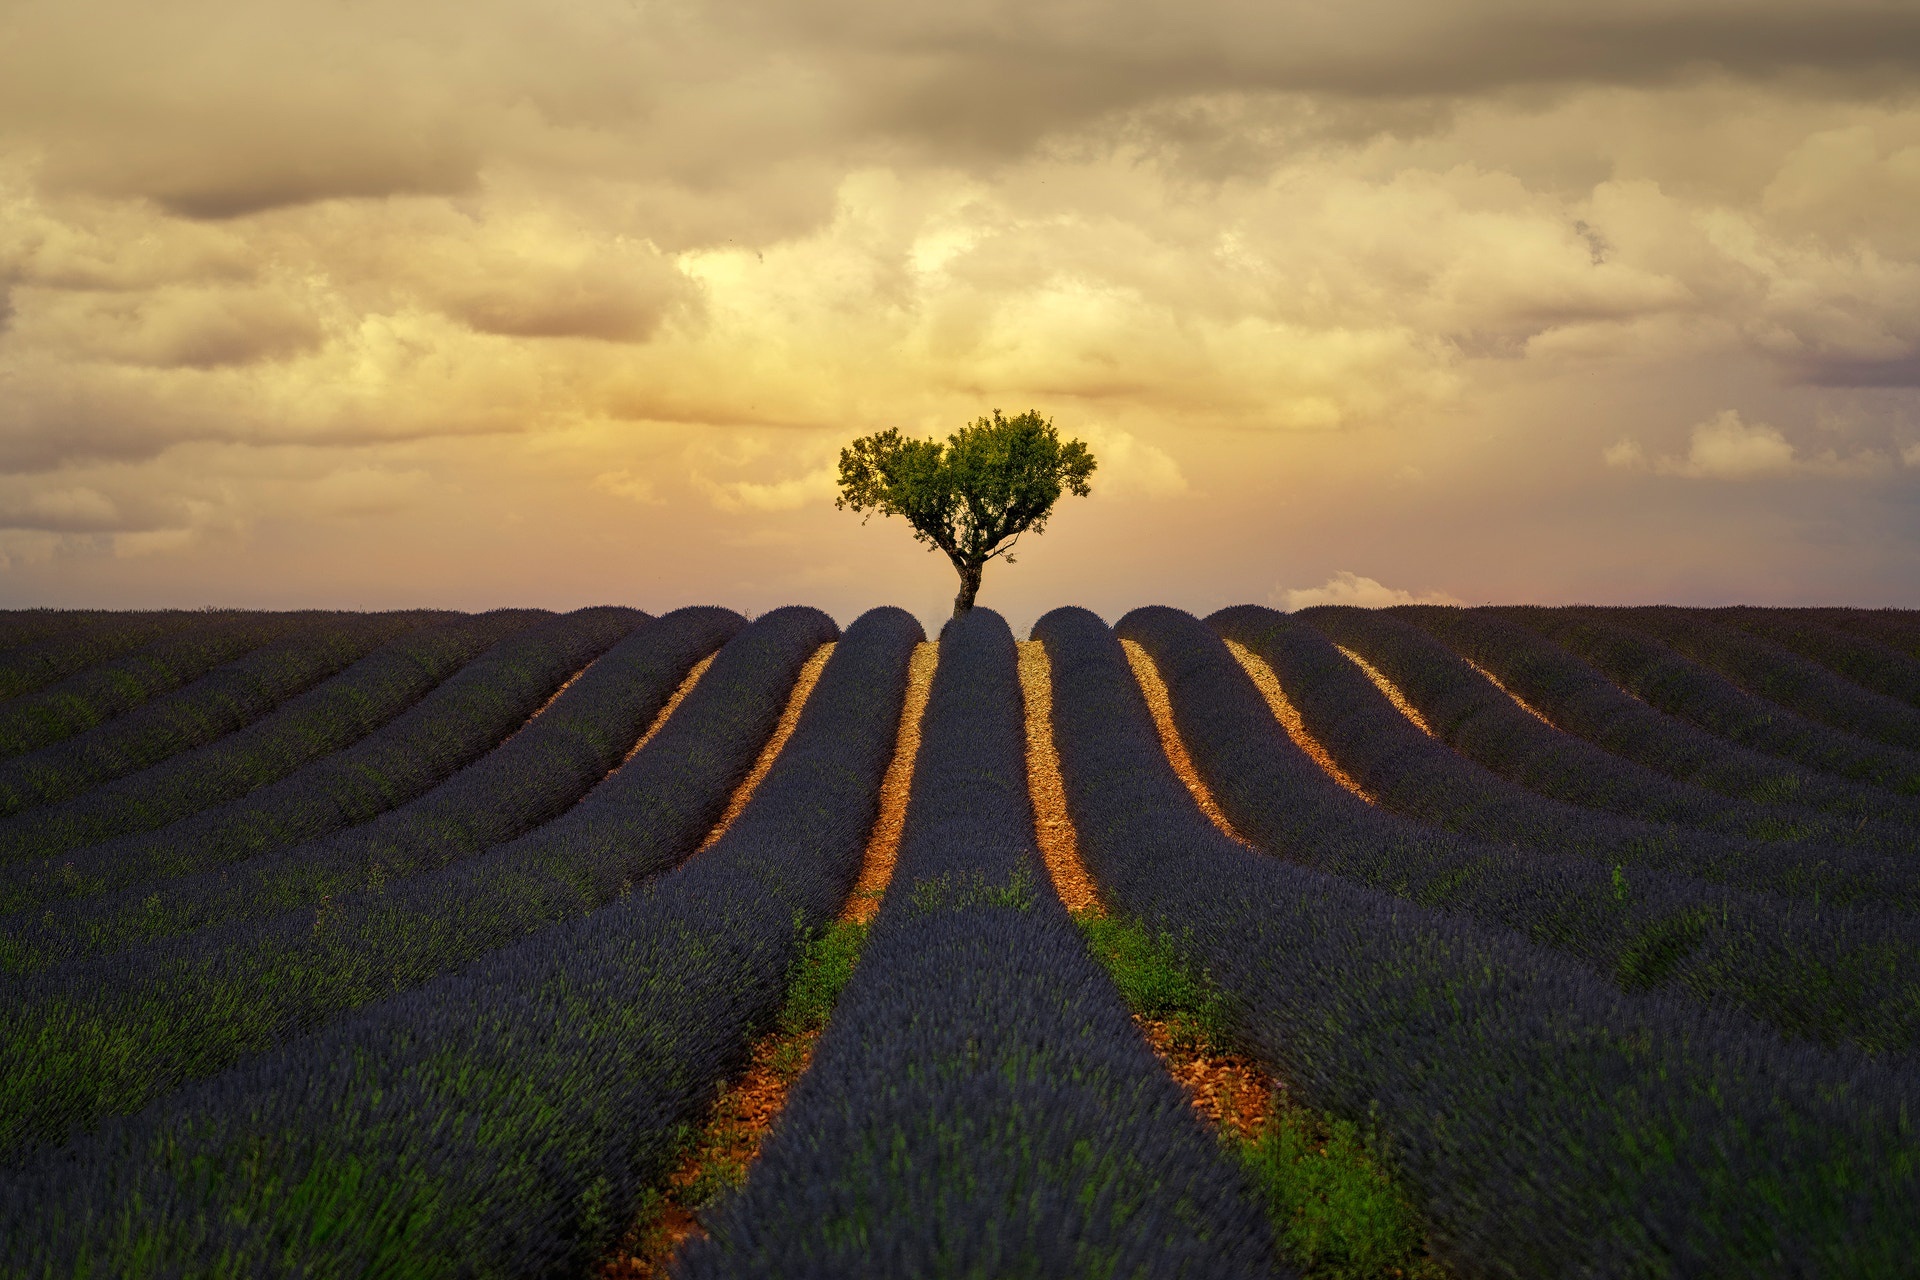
{"points": [[963, 640], [484, 303]]}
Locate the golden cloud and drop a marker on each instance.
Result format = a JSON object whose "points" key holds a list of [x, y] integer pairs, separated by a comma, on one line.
{"points": [[674, 255]]}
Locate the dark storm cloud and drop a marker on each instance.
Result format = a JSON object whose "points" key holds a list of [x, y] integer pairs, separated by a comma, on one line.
{"points": [[79, 509], [214, 110], [1900, 371], [53, 418], [246, 158], [284, 180], [1000, 75], [615, 299]]}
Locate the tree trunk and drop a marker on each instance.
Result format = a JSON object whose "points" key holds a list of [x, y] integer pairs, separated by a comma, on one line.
{"points": [[969, 587]]}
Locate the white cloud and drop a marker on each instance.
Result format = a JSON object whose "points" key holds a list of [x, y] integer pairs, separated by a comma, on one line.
{"points": [[1133, 468], [1625, 455], [1726, 448], [380, 235], [1352, 589]]}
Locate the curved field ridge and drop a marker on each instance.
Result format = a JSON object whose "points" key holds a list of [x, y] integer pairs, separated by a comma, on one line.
{"points": [[431, 944], [327, 718], [94, 1036], [501, 1119], [100, 693], [223, 700], [1817, 635], [1898, 629], [1658, 675], [1809, 969], [1774, 672], [801, 689], [980, 1102], [1577, 699], [1052, 827], [462, 719], [1418, 774], [21, 628], [1487, 727], [1160, 707], [50, 651], [543, 767], [883, 842], [1541, 1114]]}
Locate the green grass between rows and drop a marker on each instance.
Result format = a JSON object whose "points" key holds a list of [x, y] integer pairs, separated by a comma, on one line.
{"points": [[1328, 1183]]}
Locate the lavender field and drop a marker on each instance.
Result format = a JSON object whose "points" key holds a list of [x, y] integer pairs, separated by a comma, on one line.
{"points": [[1419, 941]]}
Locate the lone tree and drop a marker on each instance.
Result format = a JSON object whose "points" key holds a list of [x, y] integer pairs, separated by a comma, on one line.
{"points": [[971, 497]]}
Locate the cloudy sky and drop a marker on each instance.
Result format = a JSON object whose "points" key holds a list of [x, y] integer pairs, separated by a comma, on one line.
{"points": [[404, 302]]}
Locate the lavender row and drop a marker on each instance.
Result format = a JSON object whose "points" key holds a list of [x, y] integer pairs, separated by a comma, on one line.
{"points": [[1810, 969], [21, 628], [326, 718], [980, 1102], [1547, 1121], [1821, 636], [1896, 628], [505, 1118], [218, 703], [114, 688], [1656, 674], [1768, 670], [533, 776], [49, 654], [186, 1007], [1498, 772], [466, 716], [1581, 701]]}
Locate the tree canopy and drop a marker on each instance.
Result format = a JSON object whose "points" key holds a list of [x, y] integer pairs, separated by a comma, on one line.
{"points": [[972, 497]]}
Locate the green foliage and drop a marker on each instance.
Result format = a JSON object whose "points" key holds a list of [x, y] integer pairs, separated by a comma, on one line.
{"points": [[1335, 1207], [1652, 956], [946, 892], [820, 974], [718, 1175], [1157, 983], [971, 497]]}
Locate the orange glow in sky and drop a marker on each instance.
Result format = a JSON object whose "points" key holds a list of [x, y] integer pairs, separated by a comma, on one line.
{"points": [[468, 304]]}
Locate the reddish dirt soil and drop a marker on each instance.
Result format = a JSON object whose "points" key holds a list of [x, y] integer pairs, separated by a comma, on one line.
{"points": [[1155, 691], [1228, 1090], [665, 713], [739, 1122], [744, 1112], [1052, 827], [789, 717], [1392, 690], [551, 699], [1518, 701], [1289, 716], [883, 843]]}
